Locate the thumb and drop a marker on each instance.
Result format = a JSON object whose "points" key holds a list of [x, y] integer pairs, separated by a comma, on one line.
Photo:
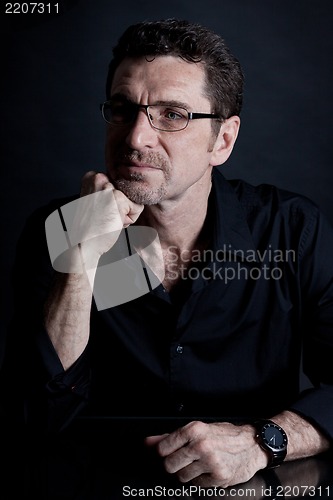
{"points": [[154, 440]]}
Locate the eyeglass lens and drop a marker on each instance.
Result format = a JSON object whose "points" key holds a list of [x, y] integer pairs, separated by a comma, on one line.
{"points": [[161, 117]]}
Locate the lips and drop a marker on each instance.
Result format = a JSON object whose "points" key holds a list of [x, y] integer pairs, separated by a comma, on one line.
{"points": [[133, 164], [140, 160]]}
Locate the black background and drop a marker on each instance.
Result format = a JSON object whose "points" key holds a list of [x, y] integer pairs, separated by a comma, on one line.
{"points": [[53, 70]]}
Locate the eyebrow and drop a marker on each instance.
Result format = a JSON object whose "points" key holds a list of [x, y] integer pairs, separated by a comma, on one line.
{"points": [[178, 104], [122, 97]]}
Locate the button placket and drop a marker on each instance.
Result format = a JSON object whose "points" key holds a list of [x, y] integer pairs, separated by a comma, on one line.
{"points": [[179, 349]]}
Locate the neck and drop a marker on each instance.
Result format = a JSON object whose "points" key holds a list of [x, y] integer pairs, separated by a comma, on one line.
{"points": [[179, 222]]}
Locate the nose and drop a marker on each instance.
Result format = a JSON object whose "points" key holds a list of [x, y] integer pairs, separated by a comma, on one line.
{"points": [[141, 133]]}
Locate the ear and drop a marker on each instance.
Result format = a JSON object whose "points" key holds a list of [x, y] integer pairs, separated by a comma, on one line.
{"points": [[225, 141]]}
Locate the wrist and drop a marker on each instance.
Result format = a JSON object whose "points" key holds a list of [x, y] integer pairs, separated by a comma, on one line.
{"points": [[273, 441], [259, 457], [89, 256]]}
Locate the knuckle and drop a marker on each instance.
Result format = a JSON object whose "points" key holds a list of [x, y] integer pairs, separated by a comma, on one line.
{"points": [[89, 174], [101, 180], [118, 195], [203, 448], [195, 428]]}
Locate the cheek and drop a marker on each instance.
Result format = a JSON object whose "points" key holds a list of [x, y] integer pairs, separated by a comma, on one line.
{"points": [[195, 150], [189, 163], [184, 144]]}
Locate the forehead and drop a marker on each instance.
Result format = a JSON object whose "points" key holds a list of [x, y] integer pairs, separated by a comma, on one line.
{"points": [[163, 78]]}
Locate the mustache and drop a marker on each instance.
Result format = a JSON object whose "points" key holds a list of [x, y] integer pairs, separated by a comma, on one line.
{"points": [[148, 158]]}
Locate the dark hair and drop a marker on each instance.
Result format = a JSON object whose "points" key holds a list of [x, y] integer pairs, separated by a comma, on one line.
{"points": [[193, 43]]}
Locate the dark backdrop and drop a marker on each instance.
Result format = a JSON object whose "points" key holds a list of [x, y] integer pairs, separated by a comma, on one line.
{"points": [[53, 70]]}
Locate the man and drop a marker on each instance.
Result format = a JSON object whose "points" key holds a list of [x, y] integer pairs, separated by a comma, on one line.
{"points": [[244, 277]]}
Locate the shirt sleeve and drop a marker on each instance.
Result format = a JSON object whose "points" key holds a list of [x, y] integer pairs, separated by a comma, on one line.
{"points": [[38, 393], [316, 290]]}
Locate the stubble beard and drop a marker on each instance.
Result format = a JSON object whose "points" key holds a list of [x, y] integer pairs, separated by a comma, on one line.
{"points": [[136, 186], [136, 190]]}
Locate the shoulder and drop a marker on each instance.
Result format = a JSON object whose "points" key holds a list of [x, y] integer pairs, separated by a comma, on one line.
{"points": [[269, 199], [267, 207]]}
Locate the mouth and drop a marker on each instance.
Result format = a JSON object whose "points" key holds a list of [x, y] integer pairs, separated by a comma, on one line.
{"points": [[136, 166]]}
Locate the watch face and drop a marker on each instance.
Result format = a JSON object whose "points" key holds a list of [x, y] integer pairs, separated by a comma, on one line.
{"points": [[274, 437]]}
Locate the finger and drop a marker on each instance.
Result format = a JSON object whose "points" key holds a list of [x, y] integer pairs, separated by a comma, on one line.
{"points": [[128, 210], [94, 181], [196, 470], [204, 480], [180, 460], [86, 182], [181, 437], [172, 443], [101, 181], [154, 440], [134, 213]]}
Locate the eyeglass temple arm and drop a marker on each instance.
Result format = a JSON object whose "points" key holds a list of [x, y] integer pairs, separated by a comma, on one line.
{"points": [[194, 116]]}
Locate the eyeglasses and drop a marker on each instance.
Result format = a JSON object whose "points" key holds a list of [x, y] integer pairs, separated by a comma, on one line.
{"points": [[167, 118]]}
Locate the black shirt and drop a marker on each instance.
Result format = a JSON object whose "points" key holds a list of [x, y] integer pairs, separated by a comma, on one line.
{"points": [[256, 305]]}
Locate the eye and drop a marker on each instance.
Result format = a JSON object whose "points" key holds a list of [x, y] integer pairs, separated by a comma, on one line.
{"points": [[119, 108], [122, 112], [173, 114]]}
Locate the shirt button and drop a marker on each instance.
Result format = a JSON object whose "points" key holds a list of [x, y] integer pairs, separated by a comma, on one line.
{"points": [[180, 349], [180, 407]]}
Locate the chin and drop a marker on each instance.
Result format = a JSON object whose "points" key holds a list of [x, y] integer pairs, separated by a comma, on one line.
{"points": [[140, 193]]}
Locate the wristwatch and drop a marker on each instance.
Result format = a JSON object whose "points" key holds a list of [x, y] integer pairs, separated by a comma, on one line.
{"points": [[272, 438]]}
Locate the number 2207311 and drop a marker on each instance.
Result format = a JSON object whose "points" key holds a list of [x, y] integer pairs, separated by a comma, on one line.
{"points": [[32, 8]]}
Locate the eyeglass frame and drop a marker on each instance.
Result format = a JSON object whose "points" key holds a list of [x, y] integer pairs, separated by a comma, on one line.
{"points": [[190, 115]]}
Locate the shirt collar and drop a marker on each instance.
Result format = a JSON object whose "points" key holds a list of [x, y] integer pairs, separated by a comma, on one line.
{"points": [[231, 230]]}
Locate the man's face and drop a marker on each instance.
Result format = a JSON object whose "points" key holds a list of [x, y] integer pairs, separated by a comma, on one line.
{"points": [[148, 165]]}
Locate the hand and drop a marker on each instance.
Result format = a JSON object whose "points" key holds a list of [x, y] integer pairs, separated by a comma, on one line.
{"points": [[127, 210], [99, 215], [215, 454]]}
